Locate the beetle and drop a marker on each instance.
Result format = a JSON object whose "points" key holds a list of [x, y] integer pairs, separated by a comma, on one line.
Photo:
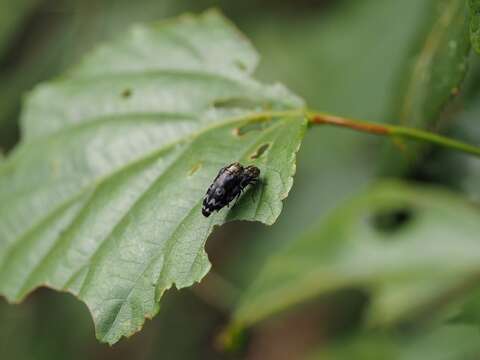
{"points": [[228, 185]]}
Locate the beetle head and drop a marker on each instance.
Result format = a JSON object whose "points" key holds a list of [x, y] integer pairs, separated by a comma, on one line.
{"points": [[252, 172]]}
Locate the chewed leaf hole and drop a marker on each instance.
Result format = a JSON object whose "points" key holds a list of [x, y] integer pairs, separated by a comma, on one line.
{"points": [[260, 151], [251, 126], [392, 220], [195, 168], [127, 93]]}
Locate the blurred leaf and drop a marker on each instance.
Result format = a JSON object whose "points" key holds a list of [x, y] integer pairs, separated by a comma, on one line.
{"points": [[440, 65], [454, 169], [434, 77], [407, 245], [468, 312], [12, 15], [103, 196], [445, 343], [474, 6]]}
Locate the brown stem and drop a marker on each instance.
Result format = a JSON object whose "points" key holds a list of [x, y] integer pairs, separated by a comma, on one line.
{"points": [[327, 119], [393, 131]]}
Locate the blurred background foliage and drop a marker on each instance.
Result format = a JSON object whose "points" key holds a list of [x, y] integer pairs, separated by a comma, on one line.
{"points": [[347, 57]]}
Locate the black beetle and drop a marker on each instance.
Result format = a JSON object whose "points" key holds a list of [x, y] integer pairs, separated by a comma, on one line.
{"points": [[229, 183]]}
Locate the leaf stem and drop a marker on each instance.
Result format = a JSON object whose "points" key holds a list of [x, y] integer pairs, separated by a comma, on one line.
{"points": [[318, 118]]}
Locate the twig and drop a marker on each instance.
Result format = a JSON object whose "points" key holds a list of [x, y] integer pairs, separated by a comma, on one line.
{"points": [[317, 118]]}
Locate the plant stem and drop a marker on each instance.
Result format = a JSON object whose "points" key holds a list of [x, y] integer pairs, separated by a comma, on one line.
{"points": [[318, 118]]}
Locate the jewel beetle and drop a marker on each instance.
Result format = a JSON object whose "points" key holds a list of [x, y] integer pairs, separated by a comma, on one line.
{"points": [[228, 185]]}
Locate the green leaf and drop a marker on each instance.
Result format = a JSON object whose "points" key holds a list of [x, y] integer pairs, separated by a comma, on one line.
{"points": [[434, 78], [103, 196], [439, 67], [468, 310], [474, 7], [406, 245]]}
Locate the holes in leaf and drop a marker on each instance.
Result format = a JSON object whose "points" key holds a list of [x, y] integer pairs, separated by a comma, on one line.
{"points": [[392, 220], [251, 126], [127, 93], [195, 168], [260, 151]]}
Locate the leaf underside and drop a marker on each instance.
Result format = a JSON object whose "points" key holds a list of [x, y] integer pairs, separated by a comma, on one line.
{"points": [[102, 197]]}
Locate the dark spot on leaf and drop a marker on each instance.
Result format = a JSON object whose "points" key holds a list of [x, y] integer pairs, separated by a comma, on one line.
{"points": [[237, 103], [260, 151], [195, 168], [241, 65], [392, 220], [251, 126], [127, 93]]}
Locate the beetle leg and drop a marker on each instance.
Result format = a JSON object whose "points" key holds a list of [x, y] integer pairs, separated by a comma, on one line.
{"points": [[238, 195], [238, 192]]}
